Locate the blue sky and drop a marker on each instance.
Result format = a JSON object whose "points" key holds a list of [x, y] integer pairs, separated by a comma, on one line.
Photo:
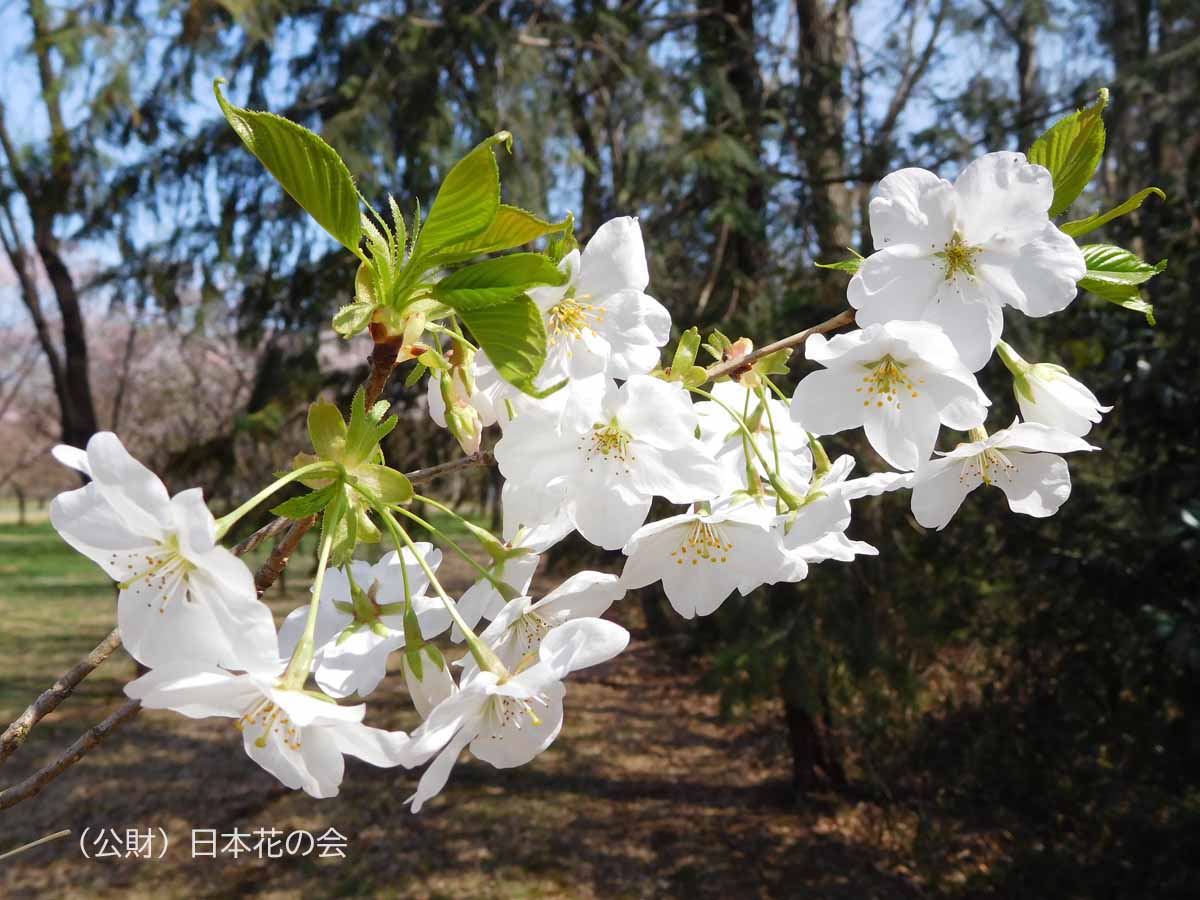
{"points": [[874, 22]]}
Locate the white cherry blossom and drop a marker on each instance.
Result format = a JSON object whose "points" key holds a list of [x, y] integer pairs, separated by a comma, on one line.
{"points": [[1022, 460], [508, 722], [182, 596], [297, 736], [702, 557], [518, 628], [602, 320], [817, 532], [638, 442], [483, 601], [354, 639], [1048, 395], [899, 381], [956, 254]]}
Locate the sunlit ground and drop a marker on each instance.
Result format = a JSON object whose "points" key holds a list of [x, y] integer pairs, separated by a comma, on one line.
{"points": [[647, 792]]}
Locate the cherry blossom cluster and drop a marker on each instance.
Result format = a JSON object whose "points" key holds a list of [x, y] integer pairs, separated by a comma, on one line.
{"points": [[604, 429]]}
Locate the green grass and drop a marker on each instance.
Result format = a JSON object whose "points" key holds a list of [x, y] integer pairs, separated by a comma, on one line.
{"points": [[55, 605]]}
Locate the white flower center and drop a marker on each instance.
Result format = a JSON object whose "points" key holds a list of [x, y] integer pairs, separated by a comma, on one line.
{"points": [[958, 257], [611, 443], [269, 717], [528, 632], [572, 317], [505, 711], [989, 466], [887, 382], [703, 542], [164, 568]]}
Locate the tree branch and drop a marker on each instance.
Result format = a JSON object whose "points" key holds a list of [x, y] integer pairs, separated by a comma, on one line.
{"points": [[742, 364], [33, 785], [14, 736]]}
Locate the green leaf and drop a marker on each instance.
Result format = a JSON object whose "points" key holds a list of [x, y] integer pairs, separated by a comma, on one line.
{"points": [[496, 280], [1091, 223], [1116, 265], [512, 227], [1126, 296], [351, 319], [384, 484], [364, 434], [1071, 149], [1113, 274], [850, 265], [514, 337], [308, 168], [467, 201], [327, 430], [307, 504]]}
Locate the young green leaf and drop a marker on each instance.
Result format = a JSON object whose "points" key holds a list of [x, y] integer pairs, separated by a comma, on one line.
{"points": [[514, 338], [1126, 296], [364, 434], [850, 265], [308, 168], [353, 318], [307, 504], [1116, 265], [386, 485], [496, 280], [1071, 149], [1113, 274], [467, 201], [326, 430], [512, 227], [1091, 223]]}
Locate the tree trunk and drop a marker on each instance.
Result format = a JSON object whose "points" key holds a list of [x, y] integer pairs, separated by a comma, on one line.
{"points": [[1029, 94], [733, 108], [815, 760], [821, 57]]}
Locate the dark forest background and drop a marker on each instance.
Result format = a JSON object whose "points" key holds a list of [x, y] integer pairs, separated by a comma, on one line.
{"points": [[1048, 669]]}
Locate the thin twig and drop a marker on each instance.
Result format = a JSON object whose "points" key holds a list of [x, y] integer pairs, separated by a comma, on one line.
{"points": [[742, 363], [33, 785], [270, 530], [269, 571], [66, 832], [14, 736], [481, 458]]}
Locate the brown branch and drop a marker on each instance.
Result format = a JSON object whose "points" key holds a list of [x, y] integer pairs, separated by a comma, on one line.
{"points": [[382, 360], [481, 458], [272, 529], [33, 785], [743, 363], [14, 736], [269, 571]]}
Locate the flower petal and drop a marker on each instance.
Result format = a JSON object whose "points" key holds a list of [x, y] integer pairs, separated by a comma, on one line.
{"points": [[1037, 484], [913, 206], [614, 259], [939, 490]]}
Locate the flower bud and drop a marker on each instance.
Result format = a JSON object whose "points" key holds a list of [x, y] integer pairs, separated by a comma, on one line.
{"points": [[1048, 395], [461, 417]]}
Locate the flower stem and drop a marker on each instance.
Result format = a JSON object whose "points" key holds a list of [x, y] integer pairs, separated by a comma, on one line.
{"points": [[228, 520], [483, 654], [447, 540], [301, 661], [781, 489]]}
